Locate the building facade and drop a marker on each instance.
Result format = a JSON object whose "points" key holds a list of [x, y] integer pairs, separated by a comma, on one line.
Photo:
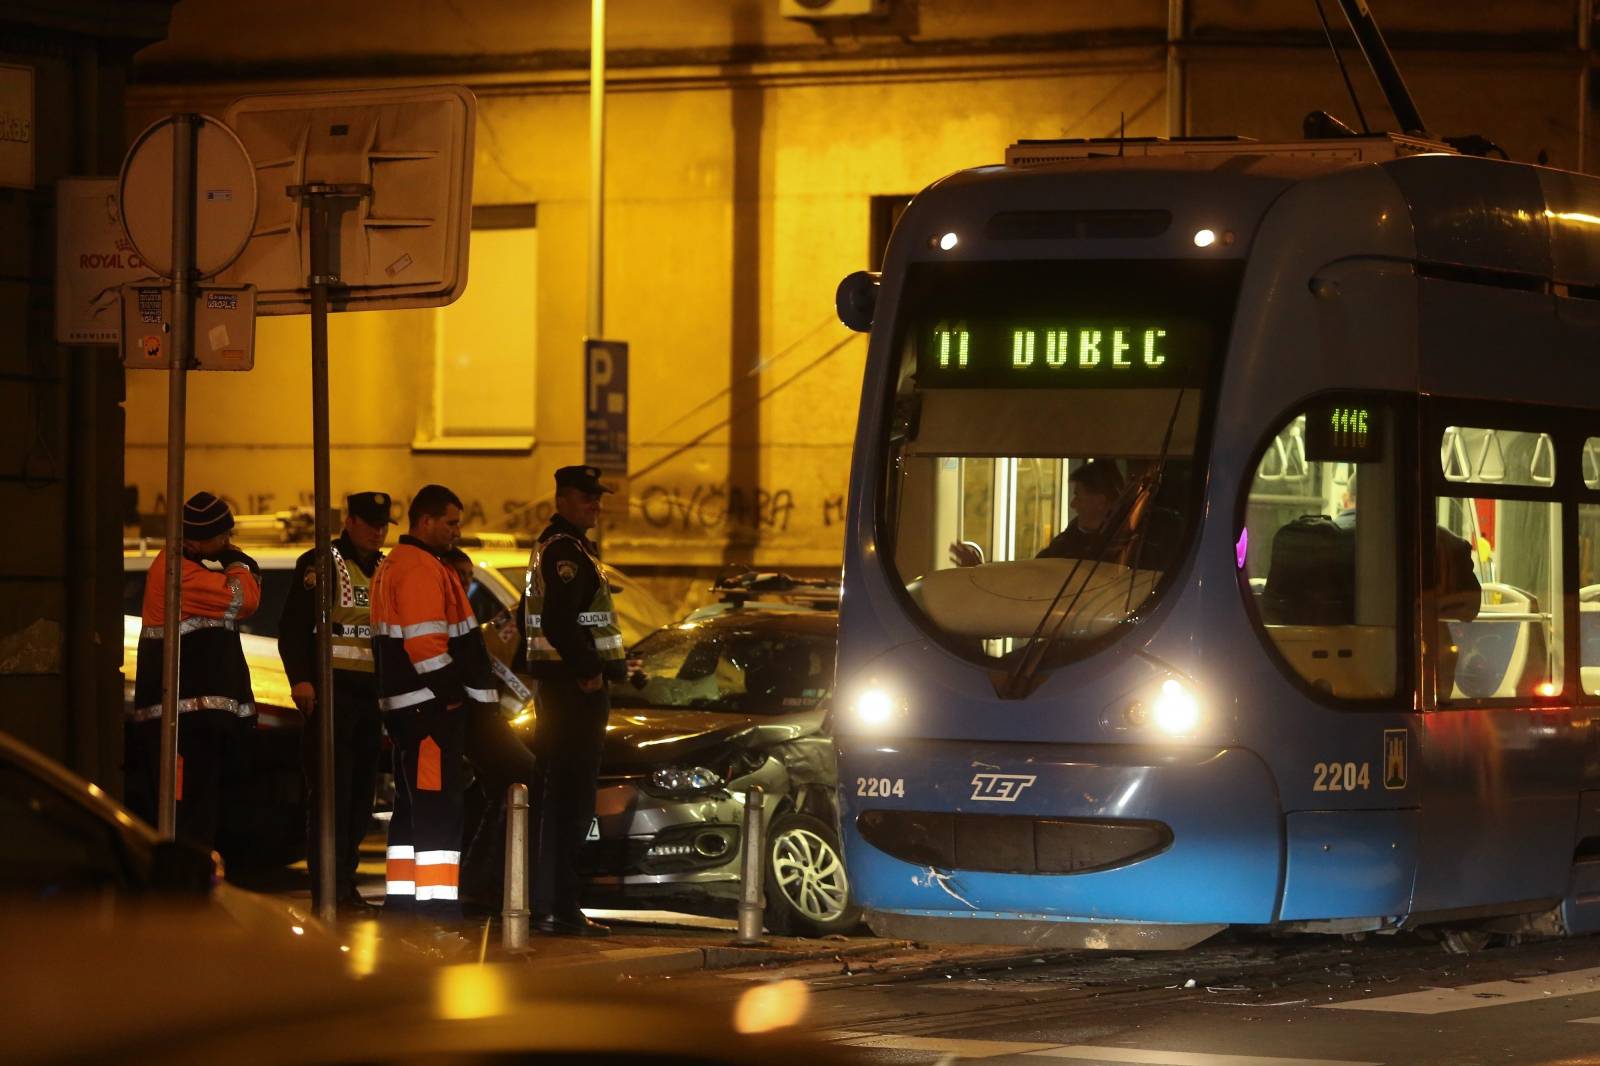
{"points": [[63, 71], [754, 159]]}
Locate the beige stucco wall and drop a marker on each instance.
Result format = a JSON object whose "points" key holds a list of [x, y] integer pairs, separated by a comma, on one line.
{"points": [[738, 195]]}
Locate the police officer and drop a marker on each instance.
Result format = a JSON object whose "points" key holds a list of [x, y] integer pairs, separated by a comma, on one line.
{"points": [[216, 708], [573, 647], [357, 727]]}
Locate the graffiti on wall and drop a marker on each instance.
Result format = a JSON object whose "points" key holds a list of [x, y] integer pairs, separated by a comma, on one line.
{"points": [[711, 508]]}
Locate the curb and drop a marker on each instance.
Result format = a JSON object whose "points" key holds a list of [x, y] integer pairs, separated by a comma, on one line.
{"points": [[654, 961]]}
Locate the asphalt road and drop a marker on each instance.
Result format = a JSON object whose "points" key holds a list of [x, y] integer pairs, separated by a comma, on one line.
{"points": [[1258, 1001]]}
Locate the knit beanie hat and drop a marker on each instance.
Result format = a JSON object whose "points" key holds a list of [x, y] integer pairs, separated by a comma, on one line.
{"points": [[205, 516]]}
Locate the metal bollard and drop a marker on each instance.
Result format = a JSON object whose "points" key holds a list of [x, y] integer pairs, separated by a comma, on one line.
{"points": [[752, 897], [514, 915]]}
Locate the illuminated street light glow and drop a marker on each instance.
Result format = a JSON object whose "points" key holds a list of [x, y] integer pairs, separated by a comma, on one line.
{"points": [[1204, 238], [468, 991], [948, 241], [764, 1008]]}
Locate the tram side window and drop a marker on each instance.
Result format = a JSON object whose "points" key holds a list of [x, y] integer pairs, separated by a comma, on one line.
{"points": [[1495, 569], [1320, 554], [1589, 592]]}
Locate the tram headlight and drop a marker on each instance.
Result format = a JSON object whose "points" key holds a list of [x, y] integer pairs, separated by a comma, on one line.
{"points": [[1175, 710], [875, 706], [1205, 238]]}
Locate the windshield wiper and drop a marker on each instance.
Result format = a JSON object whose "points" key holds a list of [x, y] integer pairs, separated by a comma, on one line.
{"points": [[1137, 494]]}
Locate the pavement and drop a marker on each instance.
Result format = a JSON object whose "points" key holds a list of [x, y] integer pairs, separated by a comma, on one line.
{"points": [[635, 950], [644, 944]]}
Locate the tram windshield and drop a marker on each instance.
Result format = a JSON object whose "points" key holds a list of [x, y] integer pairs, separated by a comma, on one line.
{"points": [[1041, 449]]}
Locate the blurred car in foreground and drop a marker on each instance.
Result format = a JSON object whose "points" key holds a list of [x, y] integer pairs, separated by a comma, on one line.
{"points": [[198, 992], [63, 840], [736, 695]]}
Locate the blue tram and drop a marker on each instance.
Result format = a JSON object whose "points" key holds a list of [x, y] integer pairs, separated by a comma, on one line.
{"points": [[1224, 547]]}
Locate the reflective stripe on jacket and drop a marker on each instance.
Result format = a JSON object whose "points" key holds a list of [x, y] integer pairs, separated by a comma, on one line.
{"points": [[424, 636], [352, 617], [599, 619], [212, 672]]}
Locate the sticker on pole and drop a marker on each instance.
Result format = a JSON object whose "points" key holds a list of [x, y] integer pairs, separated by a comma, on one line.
{"points": [[224, 327], [594, 830]]}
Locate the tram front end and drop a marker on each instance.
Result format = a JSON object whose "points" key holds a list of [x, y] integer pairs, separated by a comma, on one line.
{"points": [[1039, 731]]}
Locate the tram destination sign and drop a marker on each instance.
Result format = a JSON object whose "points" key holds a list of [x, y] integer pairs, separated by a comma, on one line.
{"points": [[1126, 352]]}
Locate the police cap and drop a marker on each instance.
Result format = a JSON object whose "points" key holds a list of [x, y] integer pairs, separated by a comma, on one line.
{"points": [[583, 478], [371, 507]]}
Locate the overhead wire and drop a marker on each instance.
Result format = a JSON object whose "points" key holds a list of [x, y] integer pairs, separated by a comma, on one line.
{"points": [[1339, 59]]}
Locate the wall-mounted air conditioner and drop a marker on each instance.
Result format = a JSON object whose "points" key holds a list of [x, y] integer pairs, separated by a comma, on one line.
{"points": [[832, 9]]}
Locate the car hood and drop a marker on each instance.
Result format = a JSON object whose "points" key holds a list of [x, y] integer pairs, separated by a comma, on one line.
{"points": [[658, 737]]}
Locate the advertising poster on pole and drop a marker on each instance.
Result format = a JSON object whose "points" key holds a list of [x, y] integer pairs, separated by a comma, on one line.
{"points": [[94, 259]]}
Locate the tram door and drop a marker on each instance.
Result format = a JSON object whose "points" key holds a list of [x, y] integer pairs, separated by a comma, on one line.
{"points": [[1007, 508], [1500, 760]]}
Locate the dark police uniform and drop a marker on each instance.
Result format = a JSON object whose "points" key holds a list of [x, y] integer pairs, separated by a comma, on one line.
{"points": [[571, 635], [357, 724]]}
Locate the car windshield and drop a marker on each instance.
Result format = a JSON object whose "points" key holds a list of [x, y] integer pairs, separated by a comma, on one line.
{"points": [[751, 670], [1042, 439]]}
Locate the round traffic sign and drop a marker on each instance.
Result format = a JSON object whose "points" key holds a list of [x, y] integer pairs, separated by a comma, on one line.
{"points": [[224, 195]]}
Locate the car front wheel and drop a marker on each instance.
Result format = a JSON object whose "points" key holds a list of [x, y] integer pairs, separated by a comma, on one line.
{"points": [[807, 892]]}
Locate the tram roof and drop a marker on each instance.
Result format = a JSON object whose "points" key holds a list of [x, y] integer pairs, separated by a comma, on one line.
{"points": [[1516, 220]]}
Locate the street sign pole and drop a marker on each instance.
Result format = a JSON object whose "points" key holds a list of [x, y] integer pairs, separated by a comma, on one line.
{"points": [[326, 203], [183, 192], [419, 219]]}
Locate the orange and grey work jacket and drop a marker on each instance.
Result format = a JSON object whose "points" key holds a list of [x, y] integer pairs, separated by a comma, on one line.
{"points": [[212, 673], [424, 636]]}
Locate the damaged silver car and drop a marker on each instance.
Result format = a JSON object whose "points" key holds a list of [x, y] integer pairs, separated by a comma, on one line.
{"points": [[736, 695]]}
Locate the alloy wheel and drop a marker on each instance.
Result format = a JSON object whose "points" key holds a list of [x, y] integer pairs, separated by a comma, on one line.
{"points": [[810, 874]]}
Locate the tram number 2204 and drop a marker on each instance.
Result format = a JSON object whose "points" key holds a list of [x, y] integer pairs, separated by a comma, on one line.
{"points": [[1341, 777], [881, 786]]}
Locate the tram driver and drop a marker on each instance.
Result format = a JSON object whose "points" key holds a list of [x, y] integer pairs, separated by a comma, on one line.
{"points": [[1095, 488]]}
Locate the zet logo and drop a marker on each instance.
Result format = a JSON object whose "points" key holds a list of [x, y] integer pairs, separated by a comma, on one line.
{"points": [[1000, 788]]}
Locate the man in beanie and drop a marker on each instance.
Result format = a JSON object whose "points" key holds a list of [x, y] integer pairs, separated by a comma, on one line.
{"points": [[216, 708], [357, 726]]}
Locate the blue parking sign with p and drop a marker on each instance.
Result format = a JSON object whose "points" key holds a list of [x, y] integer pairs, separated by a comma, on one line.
{"points": [[605, 389]]}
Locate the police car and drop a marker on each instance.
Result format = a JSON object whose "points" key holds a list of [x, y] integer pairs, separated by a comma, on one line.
{"points": [[736, 694]]}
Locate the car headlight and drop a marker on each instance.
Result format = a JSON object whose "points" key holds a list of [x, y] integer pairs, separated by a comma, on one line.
{"points": [[686, 780]]}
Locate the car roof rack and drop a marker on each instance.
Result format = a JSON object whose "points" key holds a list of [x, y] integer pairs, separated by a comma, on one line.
{"points": [[296, 525], [489, 539], [739, 589]]}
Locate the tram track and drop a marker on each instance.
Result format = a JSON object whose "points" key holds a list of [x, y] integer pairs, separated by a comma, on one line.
{"points": [[1253, 975]]}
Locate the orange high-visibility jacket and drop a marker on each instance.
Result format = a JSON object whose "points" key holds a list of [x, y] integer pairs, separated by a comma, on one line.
{"points": [[424, 636], [212, 673]]}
